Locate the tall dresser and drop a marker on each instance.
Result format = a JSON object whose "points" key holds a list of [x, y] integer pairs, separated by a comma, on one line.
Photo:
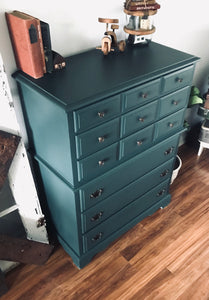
{"points": [[105, 132]]}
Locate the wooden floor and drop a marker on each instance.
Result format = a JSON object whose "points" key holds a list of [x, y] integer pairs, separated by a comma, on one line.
{"points": [[166, 256]]}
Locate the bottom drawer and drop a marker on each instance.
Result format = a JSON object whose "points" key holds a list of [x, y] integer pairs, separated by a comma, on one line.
{"points": [[104, 209], [114, 223]]}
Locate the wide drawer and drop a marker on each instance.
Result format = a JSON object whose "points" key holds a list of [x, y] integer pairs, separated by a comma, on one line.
{"points": [[120, 176], [137, 142], [97, 113], [139, 118], [173, 102], [170, 124], [98, 163], [97, 138], [177, 80], [142, 94], [115, 222], [104, 209]]}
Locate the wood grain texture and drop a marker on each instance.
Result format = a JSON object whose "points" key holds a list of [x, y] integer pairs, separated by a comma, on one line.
{"points": [[166, 256]]}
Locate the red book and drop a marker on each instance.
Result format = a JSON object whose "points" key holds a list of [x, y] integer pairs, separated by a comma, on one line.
{"points": [[25, 34]]}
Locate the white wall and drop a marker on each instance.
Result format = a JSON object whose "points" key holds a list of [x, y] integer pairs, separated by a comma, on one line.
{"points": [[183, 25]]}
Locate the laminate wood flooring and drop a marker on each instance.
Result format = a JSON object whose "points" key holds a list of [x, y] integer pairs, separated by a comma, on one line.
{"points": [[166, 256]]}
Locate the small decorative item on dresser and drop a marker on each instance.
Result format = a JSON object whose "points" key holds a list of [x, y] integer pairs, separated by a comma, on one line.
{"points": [[109, 41], [140, 24]]}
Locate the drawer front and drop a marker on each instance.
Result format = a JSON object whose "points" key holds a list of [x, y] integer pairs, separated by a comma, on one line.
{"points": [[140, 118], [97, 113], [98, 138], [173, 102], [170, 124], [98, 163], [137, 142], [105, 185], [103, 210], [142, 94], [178, 79], [131, 211]]}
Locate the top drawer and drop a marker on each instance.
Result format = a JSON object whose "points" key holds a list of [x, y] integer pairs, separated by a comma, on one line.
{"points": [[178, 79], [142, 94], [97, 113]]}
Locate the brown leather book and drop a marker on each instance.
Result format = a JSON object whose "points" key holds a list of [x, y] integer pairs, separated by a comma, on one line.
{"points": [[25, 34]]}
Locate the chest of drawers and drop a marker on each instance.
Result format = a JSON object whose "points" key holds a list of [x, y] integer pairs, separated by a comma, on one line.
{"points": [[105, 133]]}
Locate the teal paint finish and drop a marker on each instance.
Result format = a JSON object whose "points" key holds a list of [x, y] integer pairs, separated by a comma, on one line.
{"points": [[105, 132]]}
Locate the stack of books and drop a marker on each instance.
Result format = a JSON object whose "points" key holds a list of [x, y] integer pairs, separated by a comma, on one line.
{"points": [[31, 43]]}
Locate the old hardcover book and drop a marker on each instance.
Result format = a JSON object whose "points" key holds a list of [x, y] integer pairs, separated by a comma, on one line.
{"points": [[46, 38], [26, 38]]}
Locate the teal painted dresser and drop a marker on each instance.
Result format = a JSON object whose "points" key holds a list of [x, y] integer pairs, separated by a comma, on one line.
{"points": [[105, 132]]}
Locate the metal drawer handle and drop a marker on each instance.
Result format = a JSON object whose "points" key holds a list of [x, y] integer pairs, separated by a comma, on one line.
{"points": [[144, 95], [101, 139], [139, 143], [179, 80], [169, 151], [164, 173], [97, 237], [97, 193], [175, 102], [101, 114], [160, 193], [171, 125], [97, 216], [141, 120], [101, 163]]}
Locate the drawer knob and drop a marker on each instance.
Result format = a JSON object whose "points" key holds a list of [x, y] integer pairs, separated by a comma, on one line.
{"points": [[164, 173], [141, 120], [144, 95], [171, 125], [101, 114], [139, 143], [101, 139], [179, 80], [169, 151], [97, 216], [175, 102], [160, 193], [97, 193], [101, 163], [97, 237]]}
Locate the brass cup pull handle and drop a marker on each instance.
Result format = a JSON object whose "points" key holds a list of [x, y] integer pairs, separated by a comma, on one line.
{"points": [[97, 216], [97, 193], [101, 163], [97, 237], [101, 139], [139, 143], [141, 120], [101, 114]]}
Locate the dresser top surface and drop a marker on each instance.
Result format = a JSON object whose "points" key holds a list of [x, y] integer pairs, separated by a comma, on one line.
{"points": [[91, 76]]}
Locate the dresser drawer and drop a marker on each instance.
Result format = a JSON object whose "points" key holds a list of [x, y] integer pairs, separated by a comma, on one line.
{"points": [[104, 209], [179, 79], [98, 163], [170, 124], [97, 138], [140, 118], [131, 211], [173, 102], [114, 180], [97, 113], [137, 142], [142, 94]]}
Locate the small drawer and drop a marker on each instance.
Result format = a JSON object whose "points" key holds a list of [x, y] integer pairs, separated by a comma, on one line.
{"points": [[173, 102], [131, 211], [97, 113], [178, 79], [122, 175], [170, 124], [104, 209], [142, 94], [98, 138], [98, 163], [137, 142], [140, 118]]}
